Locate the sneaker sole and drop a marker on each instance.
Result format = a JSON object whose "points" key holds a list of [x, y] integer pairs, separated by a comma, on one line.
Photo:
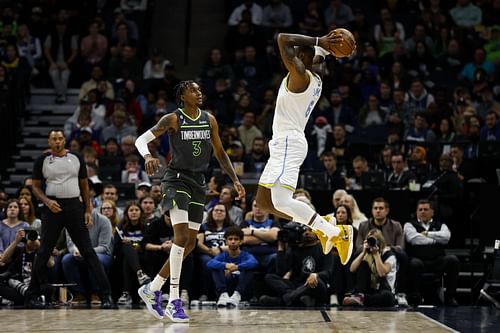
{"points": [[176, 320], [149, 307]]}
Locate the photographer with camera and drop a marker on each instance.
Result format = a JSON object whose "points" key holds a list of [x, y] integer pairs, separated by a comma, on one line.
{"points": [[12, 223], [15, 281], [302, 270], [375, 277]]}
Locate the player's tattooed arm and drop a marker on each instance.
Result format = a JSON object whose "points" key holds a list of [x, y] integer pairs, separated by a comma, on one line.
{"points": [[167, 123]]}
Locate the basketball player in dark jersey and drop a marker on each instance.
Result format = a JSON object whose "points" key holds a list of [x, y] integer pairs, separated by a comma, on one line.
{"points": [[193, 133]]}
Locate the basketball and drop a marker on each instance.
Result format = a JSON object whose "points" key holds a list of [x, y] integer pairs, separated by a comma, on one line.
{"points": [[348, 45]]}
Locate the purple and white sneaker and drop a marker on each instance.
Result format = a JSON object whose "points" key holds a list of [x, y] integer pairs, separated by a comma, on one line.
{"points": [[152, 299], [175, 312]]}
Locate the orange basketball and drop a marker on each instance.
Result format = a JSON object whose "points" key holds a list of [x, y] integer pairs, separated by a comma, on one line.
{"points": [[348, 45]]}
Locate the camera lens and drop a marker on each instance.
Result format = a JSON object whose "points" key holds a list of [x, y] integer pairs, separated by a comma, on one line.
{"points": [[372, 241]]}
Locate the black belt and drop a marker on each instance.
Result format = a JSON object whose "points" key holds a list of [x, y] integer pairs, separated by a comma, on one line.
{"points": [[63, 199]]}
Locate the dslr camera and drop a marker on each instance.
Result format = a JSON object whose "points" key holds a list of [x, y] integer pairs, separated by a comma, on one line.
{"points": [[30, 234], [292, 233], [372, 242]]}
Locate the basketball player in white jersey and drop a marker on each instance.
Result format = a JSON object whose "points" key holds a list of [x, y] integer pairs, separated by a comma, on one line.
{"points": [[297, 96]]}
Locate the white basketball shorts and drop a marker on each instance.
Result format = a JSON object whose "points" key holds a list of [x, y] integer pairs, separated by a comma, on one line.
{"points": [[287, 153]]}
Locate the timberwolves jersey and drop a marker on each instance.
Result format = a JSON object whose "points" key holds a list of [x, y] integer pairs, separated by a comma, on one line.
{"points": [[293, 109], [191, 145]]}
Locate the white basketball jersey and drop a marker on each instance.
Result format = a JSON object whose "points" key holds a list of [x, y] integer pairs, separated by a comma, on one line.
{"points": [[293, 109]]}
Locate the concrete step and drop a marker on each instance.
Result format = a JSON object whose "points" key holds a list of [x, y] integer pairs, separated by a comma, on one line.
{"points": [[19, 178], [47, 119], [64, 109], [23, 165], [39, 142], [33, 153], [40, 130], [52, 91], [50, 99]]}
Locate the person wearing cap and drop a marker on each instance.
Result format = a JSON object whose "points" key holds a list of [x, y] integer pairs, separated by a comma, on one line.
{"points": [[60, 56], [319, 134], [418, 165], [142, 189]]}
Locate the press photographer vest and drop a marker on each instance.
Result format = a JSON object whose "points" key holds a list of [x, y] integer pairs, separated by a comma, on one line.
{"points": [[426, 252]]}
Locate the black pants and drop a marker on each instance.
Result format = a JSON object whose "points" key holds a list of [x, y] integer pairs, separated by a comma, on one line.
{"points": [[373, 297], [72, 218], [342, 280], [282, 286], [447, 265], [402, 274], [11, 294]]}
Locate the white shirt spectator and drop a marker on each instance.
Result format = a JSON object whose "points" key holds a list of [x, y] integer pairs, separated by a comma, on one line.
{"points": [[255, 9]]}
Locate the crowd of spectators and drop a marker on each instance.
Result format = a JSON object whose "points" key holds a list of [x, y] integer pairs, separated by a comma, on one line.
{"points": [[411, 110]]}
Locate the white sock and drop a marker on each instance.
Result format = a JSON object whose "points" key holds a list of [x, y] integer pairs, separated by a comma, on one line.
{"points": [[327, 228], [176, 257], [157, 283]]}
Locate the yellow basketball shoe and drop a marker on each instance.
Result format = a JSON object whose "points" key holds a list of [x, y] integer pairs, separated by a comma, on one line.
{"points": [[344, 242]]}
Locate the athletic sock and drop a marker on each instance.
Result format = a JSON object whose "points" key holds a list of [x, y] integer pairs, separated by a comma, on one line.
{"points": [[157, 283], [176, 257], [322, 225]]}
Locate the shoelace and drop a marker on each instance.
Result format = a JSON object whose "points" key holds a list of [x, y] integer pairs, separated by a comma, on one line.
{"points": [[178, 306]]}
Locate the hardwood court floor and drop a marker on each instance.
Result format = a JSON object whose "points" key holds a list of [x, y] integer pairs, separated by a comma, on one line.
{"points": [[217, 320]]}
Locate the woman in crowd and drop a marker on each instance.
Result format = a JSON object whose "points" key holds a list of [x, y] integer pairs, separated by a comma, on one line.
{"points": [[210, 244], [341, 278], [14, 220], [357, 216], [375, 270], [108, 209], [28, 211], [128, 246]]}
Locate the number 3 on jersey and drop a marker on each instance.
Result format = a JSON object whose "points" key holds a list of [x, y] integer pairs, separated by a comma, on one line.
{"points": [[196, 148]]}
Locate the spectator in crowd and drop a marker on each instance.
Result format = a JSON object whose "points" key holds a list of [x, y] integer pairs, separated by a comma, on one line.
{"points": [[121, 36], [119, 128], [210, 244], [400, 176], [127, 146], [133, 172], [158, 240], [108, 208], [261, 235], [147, 203], [96, 120], [126, 66], [29, 47], [215, 69], [360, 167], [419, 35], [93, 47], [248, 131], [449, 189], [302, 272], [311, 23], [338, 14], [250, 6], [491, 129], [385, 161], [153, 68], [258, 156], [337, 143], [75, 269], [336, 200], [339, 111], [13, 221], [479, 62], [15, 281], [357, 215], [28, 211], [420, 131], [334, 178], [418, 165], [61, 50], [375, 269], [320, 132], [341, 278], [372, 113], [418, 99], [143, 189], [227, 198], [446, 132], [422, 62], [127, 245], [232, 270], [96, 77], [277, 15], [426, 239], [466, 14]]}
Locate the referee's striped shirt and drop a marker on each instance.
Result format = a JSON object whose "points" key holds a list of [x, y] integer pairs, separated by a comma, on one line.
{"points": [[61, 174]]}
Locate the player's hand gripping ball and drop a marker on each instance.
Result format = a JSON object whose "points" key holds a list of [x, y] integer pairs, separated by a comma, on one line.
{"points": [[341, 43]]}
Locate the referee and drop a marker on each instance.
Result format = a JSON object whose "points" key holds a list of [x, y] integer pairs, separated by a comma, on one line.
{"points": [[67, 205]]}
